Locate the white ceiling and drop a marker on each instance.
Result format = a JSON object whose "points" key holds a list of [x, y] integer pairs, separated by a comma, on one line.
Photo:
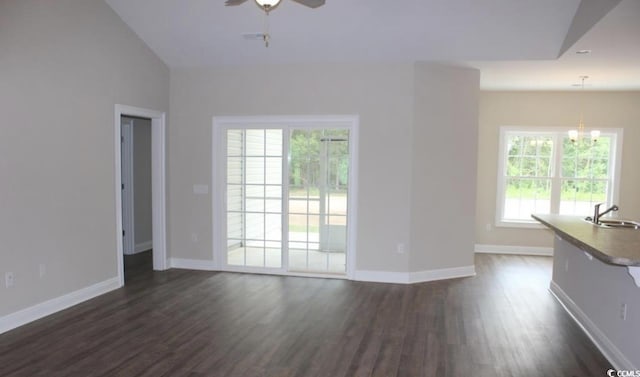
{"points": [[614, 63], [515, 43]]}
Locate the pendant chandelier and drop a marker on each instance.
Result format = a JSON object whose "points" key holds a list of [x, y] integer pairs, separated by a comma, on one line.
{"points": [[576, 134]]}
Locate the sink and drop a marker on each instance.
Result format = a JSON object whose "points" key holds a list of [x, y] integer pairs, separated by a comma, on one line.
{"points": [[620, 223], [616, 223], [624, 226]]}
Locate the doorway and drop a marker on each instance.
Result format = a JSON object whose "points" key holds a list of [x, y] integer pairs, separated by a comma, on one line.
{"points": [[136, 196], [158, 190], [288, 197]]}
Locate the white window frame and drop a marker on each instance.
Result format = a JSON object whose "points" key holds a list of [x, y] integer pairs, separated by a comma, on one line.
{"points": [[286, 123], [557, 133]]}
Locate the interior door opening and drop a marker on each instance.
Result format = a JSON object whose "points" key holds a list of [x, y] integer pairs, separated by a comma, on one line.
{"points": [[158, 189], [136, 196]]}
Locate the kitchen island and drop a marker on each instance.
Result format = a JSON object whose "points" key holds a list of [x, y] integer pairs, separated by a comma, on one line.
{"points": [[596, 276]]}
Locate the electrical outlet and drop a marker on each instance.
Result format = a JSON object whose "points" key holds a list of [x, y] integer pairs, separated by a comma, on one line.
{"points": [[42, 268], [9, 279], [488, 227], [194, 237], [400, 248], [623, 311]]}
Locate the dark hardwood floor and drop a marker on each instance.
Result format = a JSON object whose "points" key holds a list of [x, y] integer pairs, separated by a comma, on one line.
{"points": [[503, 322], [138, 266]]}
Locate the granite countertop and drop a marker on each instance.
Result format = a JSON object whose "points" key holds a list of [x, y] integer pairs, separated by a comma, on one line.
{"points": [[616, 246]]}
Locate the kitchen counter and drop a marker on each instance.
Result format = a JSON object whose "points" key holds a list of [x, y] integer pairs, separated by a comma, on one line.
{"points": [[616, 246], [596, 277]]}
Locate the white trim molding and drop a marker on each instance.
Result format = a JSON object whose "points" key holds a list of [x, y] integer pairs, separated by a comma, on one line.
{"points": [[513, 250], [381, 276], [209, 265], [128, 220], [414, 277], [360, 275], [442, 274], [192, 264], [43, 309], [608, 349]]}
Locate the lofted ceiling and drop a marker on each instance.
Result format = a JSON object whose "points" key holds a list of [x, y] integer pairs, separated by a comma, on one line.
{"points": [[517, 44]]}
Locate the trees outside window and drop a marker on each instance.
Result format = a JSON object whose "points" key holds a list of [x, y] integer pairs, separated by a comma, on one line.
{"points": [[543, 171]]}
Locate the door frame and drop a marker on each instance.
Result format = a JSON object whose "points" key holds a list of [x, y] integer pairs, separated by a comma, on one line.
{"points": [[158, 185], [218, 183], [128, 205]]}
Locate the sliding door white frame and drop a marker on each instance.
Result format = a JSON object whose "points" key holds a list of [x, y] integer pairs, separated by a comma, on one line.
{"points": [[286, 123]]}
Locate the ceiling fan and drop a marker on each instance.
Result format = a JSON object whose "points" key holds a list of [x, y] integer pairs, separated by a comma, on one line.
{"points": [[268, 5]]}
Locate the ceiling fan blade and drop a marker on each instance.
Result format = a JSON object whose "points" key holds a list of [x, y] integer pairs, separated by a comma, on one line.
{"points": [[311, 3], [233, 2]]}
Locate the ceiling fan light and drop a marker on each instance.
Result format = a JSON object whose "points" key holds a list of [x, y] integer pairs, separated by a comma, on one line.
{"points": [[267, 3]]}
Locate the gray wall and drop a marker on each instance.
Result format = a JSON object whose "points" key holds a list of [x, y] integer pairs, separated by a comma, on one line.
{"points": [[381, 94], [394, 171], [444, 167], [63, 66], [142, 183]]}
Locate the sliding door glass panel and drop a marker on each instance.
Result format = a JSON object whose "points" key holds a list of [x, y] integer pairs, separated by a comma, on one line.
{"points": [[254, 197], [318, 183]]}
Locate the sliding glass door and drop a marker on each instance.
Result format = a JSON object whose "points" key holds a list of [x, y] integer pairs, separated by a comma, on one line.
{"points": [[286, 198], [254, 197], [318, 190]]}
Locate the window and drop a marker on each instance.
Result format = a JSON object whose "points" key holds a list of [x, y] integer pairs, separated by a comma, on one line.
{"points": [[543, 171]]}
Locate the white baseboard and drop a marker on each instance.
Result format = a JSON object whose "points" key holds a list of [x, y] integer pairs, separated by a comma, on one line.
{"points": [[192, 264], [608, 349], [381, 276], [516, 250], [442, 274], [43, 309], [143, 246], [414, 277], [359, 275]]}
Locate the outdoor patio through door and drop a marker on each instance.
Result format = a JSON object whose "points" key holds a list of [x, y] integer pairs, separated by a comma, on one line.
{"points": [[287, 198], [318, 191]]}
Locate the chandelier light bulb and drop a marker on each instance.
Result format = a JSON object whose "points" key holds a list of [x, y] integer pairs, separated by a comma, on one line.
{"points": [[573, 135]]}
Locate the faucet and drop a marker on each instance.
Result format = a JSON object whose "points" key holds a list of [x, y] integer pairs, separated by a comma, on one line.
{"points": [[597, 214]]}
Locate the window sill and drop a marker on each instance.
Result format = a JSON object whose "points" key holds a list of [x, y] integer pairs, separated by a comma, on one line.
{"points": [[524, 224]]}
